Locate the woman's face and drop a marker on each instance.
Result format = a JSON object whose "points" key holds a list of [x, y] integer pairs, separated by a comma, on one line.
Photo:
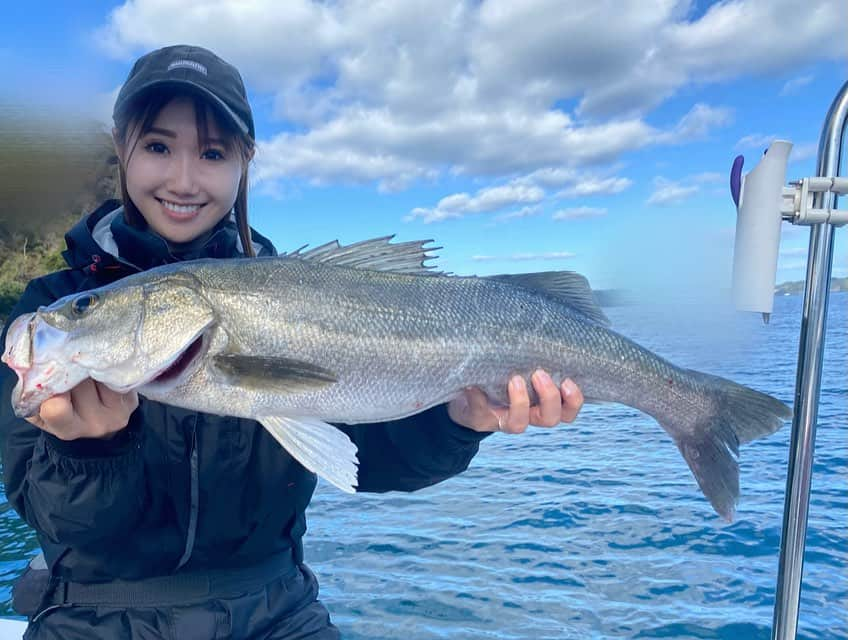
{"points": [[181, 188]]}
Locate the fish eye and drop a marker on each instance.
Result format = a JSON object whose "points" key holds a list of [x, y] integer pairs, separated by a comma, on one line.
{"points": [[81, 305]]}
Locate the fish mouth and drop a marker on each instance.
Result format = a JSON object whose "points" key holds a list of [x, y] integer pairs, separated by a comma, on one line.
{"points": [[171, 374], [18, 349]]}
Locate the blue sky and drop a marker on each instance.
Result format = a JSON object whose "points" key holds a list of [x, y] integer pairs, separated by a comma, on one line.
{"points": [[519, 136]]}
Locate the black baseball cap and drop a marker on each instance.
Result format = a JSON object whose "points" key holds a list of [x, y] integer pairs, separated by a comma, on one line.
{"points": [[193, 68]]}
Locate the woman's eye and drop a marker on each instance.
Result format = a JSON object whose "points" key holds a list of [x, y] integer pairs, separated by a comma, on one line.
{"points": [[156, 147], [213, 154], [82, 304]]}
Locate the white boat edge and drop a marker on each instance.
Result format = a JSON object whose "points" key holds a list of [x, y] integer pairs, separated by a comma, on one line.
{"points": [[11, 629]]}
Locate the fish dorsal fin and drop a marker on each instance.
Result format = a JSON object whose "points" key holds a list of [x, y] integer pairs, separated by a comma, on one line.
{"points": [[565, 286], [279, 374], [377, 254]]}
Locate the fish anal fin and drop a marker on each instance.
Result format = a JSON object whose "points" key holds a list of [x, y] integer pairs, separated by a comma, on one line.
{"points": [[318, 446]]}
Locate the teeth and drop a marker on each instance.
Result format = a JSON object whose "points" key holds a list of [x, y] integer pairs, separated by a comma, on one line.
{"points": [[181, 208]]}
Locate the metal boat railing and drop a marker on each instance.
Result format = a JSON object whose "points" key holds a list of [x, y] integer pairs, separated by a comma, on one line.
{"points": [[808, 380]]}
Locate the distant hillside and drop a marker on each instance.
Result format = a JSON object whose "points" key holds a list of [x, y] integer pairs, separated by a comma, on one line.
{"points": [[50, 174], [613, 297], [797, 287]]}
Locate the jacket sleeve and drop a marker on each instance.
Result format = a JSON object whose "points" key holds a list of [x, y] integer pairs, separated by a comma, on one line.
{"points": [[71, 492], [412, 453]]}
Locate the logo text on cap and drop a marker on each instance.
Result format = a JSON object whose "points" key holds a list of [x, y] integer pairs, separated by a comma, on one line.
{"points": [[187, 64]]}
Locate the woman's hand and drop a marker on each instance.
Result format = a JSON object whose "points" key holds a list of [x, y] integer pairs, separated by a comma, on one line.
{"points": [[472, 409], [89, 410]]}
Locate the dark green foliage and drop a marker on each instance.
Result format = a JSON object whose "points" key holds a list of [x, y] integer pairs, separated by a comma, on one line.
{"points": [[9, 294]]}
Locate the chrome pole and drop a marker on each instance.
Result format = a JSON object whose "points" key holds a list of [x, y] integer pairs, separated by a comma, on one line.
{"points": [[808, 383]]}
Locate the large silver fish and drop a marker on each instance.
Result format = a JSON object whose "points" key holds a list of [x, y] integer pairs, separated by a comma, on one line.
{"points": [[367, 333]]}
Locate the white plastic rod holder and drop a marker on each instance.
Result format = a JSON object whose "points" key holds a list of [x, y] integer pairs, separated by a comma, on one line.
{"points": [[758, 231]]}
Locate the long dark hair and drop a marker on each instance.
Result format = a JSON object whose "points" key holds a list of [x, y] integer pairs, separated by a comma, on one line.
{"points": [[138, 119]]}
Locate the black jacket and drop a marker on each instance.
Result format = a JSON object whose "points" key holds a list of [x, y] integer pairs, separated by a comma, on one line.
{"points": [[177, 488]]}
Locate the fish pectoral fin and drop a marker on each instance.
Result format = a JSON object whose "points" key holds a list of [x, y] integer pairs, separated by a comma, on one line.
{"points": [[318, 446], [286, 374], [566, 286]]}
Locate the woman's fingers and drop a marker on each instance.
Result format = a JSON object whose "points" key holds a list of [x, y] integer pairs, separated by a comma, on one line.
{"points": [[471, 409], [89, 410], [518, 415], [549, 410], [474, 410], [56, 416], [115, 401], [86, 400], [572, 400]]}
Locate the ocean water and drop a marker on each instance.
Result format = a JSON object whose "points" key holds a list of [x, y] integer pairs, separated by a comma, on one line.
{"points": [[595, 529]]}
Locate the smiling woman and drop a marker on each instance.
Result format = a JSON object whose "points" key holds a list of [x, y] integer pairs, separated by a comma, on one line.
{"points": [[165, 521]]}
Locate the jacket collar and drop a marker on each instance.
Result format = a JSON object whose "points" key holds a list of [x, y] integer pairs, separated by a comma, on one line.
{"points": [[103, 240]]}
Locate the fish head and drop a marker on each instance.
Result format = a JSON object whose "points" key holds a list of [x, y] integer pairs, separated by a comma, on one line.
{"points": [[124, 335]]}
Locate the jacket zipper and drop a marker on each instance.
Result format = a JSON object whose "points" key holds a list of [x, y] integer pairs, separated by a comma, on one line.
{"points": [[195, 498]]}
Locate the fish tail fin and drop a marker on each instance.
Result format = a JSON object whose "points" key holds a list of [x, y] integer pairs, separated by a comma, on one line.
{"points": [[711, 446]]}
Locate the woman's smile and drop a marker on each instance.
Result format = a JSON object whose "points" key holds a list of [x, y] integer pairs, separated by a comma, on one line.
{"points": [[180, 212]]}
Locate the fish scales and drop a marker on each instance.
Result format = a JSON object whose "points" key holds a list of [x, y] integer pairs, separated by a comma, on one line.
{"points": [[344, 316]]}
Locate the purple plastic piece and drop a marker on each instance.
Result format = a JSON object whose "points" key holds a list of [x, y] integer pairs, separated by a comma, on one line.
{"points": [[736, 179]]}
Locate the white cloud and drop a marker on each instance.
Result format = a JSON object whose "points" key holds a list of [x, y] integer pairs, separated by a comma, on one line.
{"points": [[731, 39], [804, 151], [340, 164], [760, 142], [789, 253], [668, 192], [590, 186], [738, 37], [551, 177], [795, 265], [579, 212], [379, 145], [523, 190], [708, 177], [488, 199], [755, 141], [697, 124], [525, 257], [794, 86], [524, 212], [413, 89]]}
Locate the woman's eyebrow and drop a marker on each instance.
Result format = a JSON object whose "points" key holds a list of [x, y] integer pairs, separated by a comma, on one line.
{"points": [[162, 132], [172, 134]]}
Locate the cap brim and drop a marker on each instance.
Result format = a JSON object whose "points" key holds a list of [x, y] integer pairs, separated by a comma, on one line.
{"points": [[196, 88]]}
